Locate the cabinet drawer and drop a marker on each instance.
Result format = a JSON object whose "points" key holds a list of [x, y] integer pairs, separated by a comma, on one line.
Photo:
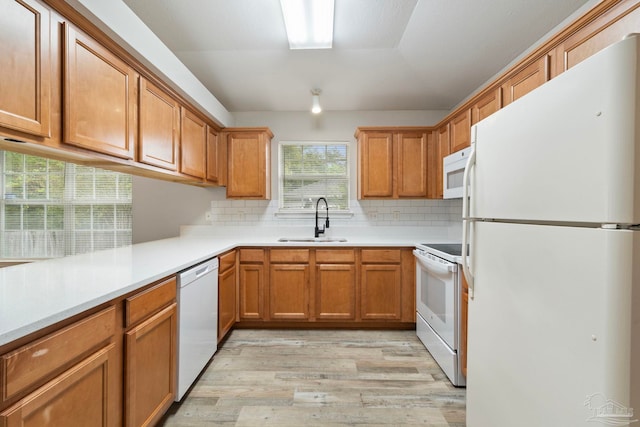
{"points": [[227, 261], [289, 255], [381, 255], [251, 255], [33, 362], [147, 302], [335, 256]]}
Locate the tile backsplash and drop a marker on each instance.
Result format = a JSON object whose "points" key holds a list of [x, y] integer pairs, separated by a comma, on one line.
{"points": [[429, 213]]}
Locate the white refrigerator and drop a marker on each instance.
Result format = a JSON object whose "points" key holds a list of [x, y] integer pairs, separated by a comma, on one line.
{"points": [[550, 216]]}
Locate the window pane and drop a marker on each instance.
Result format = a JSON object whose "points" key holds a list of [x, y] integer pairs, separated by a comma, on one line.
{"points": [[12, 217], [36, 164], [103, 217], [13, 162], [106, 186], [36, 187], [55, 217], [13, 186], [84, 187], [83, 217], [34, 217], [56, 186]]}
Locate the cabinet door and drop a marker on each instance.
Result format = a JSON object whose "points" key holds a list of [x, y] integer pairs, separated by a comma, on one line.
{"points": [[380, 292], [159, 127], [335, 292], [412, 164], [485, 106], [213, 157], [289, 292], [248, 165], [84, 395], [192, 144], [606, 29], [151, 368], [442, 150], [226, 302], [375, 153], [525, 80], [25, 99], [100, 97], [460, 127], [251, 282]]}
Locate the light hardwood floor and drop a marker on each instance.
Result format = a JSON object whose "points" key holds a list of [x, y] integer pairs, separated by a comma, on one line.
{"points": [[321, 378]]}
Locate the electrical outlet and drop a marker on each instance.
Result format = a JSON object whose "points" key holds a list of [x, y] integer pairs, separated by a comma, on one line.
{"points": [[373, 215], [208, 216], [396, 215]]}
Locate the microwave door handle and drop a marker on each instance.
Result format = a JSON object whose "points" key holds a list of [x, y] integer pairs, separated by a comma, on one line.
{"points": [[466, 223]]}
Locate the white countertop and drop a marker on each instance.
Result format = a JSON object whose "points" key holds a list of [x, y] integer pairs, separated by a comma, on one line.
{"points": [[39, 294]]}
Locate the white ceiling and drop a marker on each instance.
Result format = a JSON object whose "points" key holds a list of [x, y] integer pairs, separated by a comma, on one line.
{"points": [[386, 55]]}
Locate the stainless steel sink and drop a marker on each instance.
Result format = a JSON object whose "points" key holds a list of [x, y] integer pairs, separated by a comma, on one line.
{"points": [[311, 239]]}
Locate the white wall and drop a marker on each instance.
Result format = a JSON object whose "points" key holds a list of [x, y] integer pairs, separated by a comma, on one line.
{"points": [[160, 208]]}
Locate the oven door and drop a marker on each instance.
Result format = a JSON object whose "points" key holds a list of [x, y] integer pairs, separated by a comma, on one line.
{"points": [[436, 283]]}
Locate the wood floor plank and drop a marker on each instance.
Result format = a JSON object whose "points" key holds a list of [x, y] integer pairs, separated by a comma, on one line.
{"points": [[321, 378]]}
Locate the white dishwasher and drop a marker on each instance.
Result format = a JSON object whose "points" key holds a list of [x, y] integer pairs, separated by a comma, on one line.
{"points": [[197, 321]]}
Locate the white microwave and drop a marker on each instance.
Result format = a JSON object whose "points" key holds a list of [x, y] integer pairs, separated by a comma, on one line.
{"points": [[453, 173]]}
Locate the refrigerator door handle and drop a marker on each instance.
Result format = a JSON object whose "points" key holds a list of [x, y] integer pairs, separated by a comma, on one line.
{"points": [[466, 220]]}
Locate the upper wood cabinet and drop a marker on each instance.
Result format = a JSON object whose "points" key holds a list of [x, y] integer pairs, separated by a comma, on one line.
{"points": [[213, 156], [485, 106], [392, 163], [100, 97], [604, 30], [193, 142], [460, 127], [25, 91], [248, 163], [525, 80], [159, 127]]}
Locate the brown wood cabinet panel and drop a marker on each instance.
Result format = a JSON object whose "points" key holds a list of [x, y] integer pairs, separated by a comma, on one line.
{"points": [[375, 160], [159, 127], [150, 370], [25, 94], [485, 106], [289, 292], [249, 164], [605, 30], [289, 255], [525, 80], [460, 127], [227, 300], [432, 162], [370, 256], [193, 143], [37, 361], [144, 303], [213, 157], [227, 261], [251, 255], [335, 256], [252, 296], [100, 97], [84, 395], [412, 165], [335, 297], [381, 292], [442, 151]]}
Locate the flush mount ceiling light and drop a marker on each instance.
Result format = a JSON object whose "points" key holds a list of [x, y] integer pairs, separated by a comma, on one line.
{"points": [[315, 101], [309, 23]]}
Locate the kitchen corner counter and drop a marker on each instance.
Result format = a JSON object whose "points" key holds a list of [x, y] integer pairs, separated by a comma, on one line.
{"points": [[36, 295]]}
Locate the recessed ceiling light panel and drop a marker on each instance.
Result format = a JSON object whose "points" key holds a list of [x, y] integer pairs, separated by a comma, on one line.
{"points": [[309, 23]]}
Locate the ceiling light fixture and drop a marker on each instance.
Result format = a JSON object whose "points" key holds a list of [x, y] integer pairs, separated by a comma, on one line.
{"points": [[315, 101], [309, 23]]}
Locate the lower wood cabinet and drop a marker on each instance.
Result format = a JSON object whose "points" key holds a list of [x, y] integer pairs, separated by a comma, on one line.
{"points": [[227, 295], [251, 281], [150, 353], [335, 284], [381, 284], [289, 284]]}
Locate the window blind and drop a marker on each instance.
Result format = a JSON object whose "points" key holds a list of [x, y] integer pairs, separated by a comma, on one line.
{"points": [[311, 170], [50, 208]]}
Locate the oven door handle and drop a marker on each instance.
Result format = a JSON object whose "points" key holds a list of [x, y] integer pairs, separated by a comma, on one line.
{"points": [[435, 266]]}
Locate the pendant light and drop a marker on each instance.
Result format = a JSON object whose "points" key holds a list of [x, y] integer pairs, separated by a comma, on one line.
{"points": [[315, 101]]}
